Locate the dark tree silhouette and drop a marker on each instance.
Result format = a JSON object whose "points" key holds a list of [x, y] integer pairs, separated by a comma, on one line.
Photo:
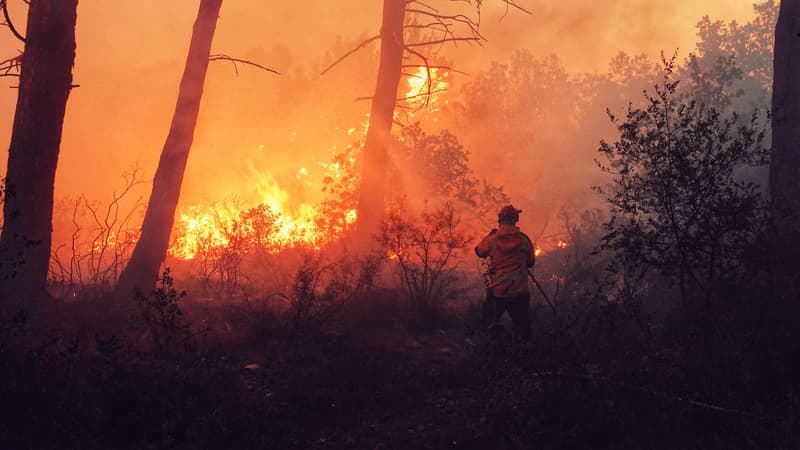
{"points": [[784, 183], [45, 81], [142, 270]]}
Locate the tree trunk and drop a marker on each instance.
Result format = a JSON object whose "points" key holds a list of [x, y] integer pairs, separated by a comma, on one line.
{"points": [[371, 205], [44, 86], [142, 269], [785, 165]]}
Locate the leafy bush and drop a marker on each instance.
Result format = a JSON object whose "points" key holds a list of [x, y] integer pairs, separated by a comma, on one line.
{"points": [[161, 316], [678, 206]]}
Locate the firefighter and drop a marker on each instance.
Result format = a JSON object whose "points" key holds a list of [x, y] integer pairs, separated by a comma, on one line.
{"points": [[511, 254]]}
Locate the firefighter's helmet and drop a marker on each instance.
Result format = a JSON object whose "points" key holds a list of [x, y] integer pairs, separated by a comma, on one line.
{"points": [[508, 214]]}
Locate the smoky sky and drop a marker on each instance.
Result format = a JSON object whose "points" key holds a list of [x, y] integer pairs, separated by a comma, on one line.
{"points": [[130, 56]]}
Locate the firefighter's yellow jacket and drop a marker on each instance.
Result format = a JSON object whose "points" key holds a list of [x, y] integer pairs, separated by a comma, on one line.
{"points": [[511, 253]]}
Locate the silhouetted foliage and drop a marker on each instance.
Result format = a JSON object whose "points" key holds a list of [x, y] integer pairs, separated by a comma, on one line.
{"points": [[749, 45], [162, 317], [678, 206], [424, 249]]}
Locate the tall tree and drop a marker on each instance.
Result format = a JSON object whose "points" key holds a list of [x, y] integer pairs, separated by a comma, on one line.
{"points": [[433, 27], [376, 146], [785, 164], [150, 251], [44, 85]]}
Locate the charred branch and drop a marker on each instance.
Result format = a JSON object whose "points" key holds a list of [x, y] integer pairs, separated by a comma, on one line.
{"points": [[11, 66], [513, 4], [8, 22]]}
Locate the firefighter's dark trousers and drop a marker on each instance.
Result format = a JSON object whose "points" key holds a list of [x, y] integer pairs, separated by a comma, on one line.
{"points": [[518, 307]]}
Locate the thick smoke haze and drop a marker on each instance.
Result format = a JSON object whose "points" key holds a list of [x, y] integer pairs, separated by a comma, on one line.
{"points": [[131, 53]]}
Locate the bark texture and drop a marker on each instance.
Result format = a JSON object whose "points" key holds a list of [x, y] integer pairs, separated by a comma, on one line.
{"points": [[143, 269], [44, 86]]}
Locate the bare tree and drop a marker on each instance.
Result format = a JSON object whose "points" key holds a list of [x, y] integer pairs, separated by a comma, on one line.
{"points": [[143, 269], [150, 251], [376, 147], [398, 54], [785, 164], [101, 241], [45, 81]]}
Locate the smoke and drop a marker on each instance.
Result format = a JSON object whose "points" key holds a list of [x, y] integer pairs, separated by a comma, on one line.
{"points": [[131, 55]]}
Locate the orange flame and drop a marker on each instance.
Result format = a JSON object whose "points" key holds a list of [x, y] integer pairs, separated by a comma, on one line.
{"points": [[271, 226], [279, 221], [426, 89]]}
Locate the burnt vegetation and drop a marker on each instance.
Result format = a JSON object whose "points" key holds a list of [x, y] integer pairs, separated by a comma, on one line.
{"points": [[662, 309]]}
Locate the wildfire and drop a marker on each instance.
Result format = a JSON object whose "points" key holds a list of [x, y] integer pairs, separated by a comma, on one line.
{"points": [[271, 226], [426, 91], [539, 251], [278, 221]]}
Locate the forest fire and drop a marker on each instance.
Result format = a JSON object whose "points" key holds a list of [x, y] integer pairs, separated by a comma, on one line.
{"points": [[277, 222], [271, 226], [214, 236], [426, 88]]}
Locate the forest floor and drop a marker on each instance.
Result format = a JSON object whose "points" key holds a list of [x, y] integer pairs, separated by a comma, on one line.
{"points": [[373, 379]]}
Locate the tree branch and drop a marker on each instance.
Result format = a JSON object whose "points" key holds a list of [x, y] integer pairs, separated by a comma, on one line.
{"points": [[11, 64], [447, 68], [444, 41], [346, 55], [234, 61], [8, 22]]}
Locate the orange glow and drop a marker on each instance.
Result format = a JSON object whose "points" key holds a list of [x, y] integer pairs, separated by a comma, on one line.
{"points": [[285, 123], [425, 92], [539, 251], [147, 55], [273, 225], [291, 223]]}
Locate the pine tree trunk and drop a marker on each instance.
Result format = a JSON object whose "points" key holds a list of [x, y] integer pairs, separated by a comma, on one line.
{"points": [[371, 202], [151, 250], [44, 86], [785, 165]]}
